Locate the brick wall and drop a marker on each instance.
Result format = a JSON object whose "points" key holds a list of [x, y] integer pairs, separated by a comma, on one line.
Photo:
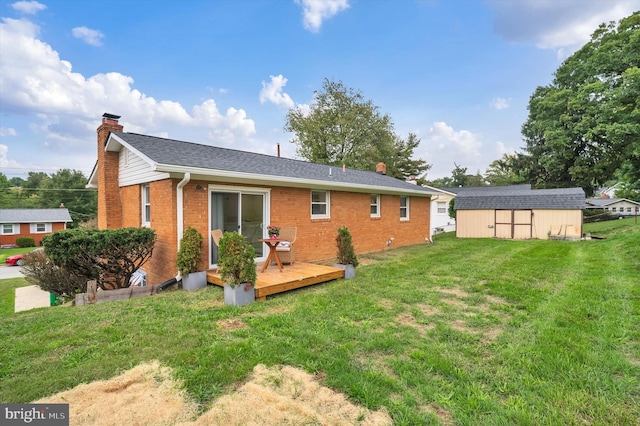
{"points": [[315, 238], [25, 231]]}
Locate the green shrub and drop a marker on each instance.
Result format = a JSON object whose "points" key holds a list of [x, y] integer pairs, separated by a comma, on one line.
{"points": [[38, 269], [346, 253], [108, 256], [25, 242], [236, 260], [190, 251]]}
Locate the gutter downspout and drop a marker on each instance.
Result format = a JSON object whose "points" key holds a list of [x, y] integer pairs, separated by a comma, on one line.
{"points": [[180, 210]]}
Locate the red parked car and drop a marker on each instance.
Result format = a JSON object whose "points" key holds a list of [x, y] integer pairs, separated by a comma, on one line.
{"points": [[15, 260]]}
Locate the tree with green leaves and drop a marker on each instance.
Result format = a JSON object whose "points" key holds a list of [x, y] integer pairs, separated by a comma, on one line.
{"points": [[506, 171], [68, 187], [584, 128], [341, 127]]}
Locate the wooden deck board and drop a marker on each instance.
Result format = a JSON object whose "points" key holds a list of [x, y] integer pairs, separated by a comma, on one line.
{"points": [[298, 275]]}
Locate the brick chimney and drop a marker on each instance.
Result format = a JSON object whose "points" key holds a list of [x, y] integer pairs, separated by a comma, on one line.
{"points": [[381, 168], [109, 201]]}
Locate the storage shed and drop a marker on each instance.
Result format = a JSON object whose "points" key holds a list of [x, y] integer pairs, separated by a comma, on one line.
{"points": [[519, 212]]}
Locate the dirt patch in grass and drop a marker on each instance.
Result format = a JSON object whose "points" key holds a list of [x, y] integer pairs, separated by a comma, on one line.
{"points": [[408, 319], [386, 303], [455, 302], [459, 325], [443, 415], [489, 336], [428, 309], [147, 395], [454, 292], [496, 300], [230, 324]]}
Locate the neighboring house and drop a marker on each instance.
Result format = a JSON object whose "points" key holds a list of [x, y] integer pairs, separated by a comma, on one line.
{"points": [[36, 223], [519, 212], [615, 206], [440, 219], [169, 185], [609, 192]]}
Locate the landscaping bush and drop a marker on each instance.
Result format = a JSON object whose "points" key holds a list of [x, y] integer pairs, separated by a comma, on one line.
{"points": [[108, 256], [346, 254], [25, 242], [38, 269]]}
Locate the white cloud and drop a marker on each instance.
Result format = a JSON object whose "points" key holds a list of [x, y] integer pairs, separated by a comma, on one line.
{"points": [[500, 103], [89, 36], [272, 92], [8, 131], [550, 24], [463, 142], [502, 149], [316, 11], [28, 7], [444, 146], [5, 162], [36, 82]]}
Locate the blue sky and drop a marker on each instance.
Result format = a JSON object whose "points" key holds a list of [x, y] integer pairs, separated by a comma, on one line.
{"points": [[458, 73]]}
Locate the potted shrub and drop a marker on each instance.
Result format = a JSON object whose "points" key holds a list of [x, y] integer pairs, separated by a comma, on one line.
{"points": [[237, 269], [188, 259], [346, 255]]}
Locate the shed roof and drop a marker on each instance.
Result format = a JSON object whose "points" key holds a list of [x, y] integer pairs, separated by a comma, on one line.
{"points": [[519, 197], [171, 155], [34, 215]]}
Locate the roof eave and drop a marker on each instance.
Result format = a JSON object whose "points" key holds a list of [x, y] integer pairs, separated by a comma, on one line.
{"points": [[261, 179]]}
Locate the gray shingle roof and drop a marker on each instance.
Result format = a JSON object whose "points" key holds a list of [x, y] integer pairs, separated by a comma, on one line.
{"points": [[601, 202], [34, 215], [170, 152], [519, 197]]}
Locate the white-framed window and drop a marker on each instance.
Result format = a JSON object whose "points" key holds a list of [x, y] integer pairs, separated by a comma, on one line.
{"points": [[375, 205], [320, 204], [613, 209], [40, 228], [442, 207], [146, 206], [404, 208], [628, 209], [9, 229]]}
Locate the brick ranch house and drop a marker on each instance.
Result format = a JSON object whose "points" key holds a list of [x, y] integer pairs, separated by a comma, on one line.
{"points": [[170, 185], [36, 223]]}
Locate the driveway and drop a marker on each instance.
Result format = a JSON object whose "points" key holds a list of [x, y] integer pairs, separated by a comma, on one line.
{"points": [[10, 272]]}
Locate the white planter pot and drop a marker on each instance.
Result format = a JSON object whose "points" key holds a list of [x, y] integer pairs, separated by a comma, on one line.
{"points": [[239, 295], [194, 281], [349, 270]]}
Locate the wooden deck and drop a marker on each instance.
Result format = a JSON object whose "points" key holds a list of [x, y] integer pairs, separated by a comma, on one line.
{"points": [[298, 275]]}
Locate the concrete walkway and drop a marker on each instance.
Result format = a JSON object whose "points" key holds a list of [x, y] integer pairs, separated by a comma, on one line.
{"points": [[30, 297]]}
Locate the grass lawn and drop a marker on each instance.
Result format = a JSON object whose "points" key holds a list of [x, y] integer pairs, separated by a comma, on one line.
{"points": [[469, 331]]}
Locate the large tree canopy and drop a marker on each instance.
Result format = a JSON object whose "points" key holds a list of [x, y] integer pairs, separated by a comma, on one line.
{"points": [[341, 127], [584, 128]]}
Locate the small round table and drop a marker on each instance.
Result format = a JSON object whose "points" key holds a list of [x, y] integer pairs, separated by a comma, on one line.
{"points": [[273, 254]]}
